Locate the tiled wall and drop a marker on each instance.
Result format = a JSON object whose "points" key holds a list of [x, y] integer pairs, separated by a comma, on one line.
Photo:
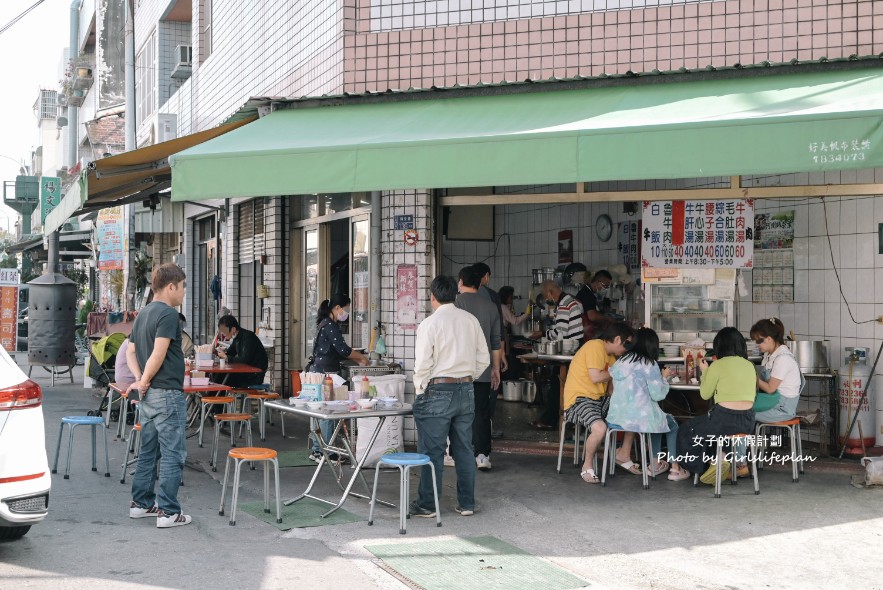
{"points": [[388, 15], [170, 35], [400, 341], [691, 35]]}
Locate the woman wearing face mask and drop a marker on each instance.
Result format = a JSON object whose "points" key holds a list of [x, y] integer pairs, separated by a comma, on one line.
{"points": [[329, 349]]}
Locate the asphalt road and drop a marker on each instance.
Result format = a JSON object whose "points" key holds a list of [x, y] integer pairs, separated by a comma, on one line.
{"points": [[820, 532]]}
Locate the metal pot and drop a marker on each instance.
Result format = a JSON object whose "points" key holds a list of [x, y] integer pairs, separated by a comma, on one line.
{"points": [[549, 347], [548, 273], [537, 275], [528, 391], [511, 391], [810, 354]]}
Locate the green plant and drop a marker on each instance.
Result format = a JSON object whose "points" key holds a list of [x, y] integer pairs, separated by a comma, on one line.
{"points": [[116, 283], [143, 266], [83, 314], [66, 84]]}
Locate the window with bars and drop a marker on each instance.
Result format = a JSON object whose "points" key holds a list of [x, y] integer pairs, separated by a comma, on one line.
{"points": [[48, 106]]}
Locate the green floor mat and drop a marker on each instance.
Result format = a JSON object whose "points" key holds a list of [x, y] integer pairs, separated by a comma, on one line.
{"points": [[302, 514], [295, 459], [476, 563]]}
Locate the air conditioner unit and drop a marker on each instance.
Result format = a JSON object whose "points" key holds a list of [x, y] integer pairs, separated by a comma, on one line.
{"points": [[183, 62], [166, 127]]}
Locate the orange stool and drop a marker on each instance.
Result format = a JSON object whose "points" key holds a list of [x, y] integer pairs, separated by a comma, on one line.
{"points": [[133, 443], [261, 397], [229, 419], [240, 455], [793, 428], [212, 400], [124, 413]]}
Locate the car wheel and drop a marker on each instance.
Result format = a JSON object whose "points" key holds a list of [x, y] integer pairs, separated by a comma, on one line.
{"points": [[13, 532]]}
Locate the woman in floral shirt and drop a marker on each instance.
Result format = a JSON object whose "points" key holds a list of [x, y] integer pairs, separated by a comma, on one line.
{"points": [[638, 386]]}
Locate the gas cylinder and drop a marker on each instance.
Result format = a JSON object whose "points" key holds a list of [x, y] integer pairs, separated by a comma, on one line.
{"points": [[854, 376]]}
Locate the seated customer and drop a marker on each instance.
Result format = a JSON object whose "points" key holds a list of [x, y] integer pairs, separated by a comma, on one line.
{"points": [[638, 386], [122, 375], [731, 380], [585, 392], [246, 348]]}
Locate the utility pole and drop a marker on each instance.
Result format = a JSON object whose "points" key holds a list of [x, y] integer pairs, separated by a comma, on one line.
{"points": [[129, 210]]}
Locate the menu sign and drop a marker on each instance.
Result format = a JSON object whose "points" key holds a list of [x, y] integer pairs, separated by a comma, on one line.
{"points": [[710, 234], [110, 238], [406, 296], [8, 317], [773, 274]]}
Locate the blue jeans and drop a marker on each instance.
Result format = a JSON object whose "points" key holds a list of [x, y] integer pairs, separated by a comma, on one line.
{"points": [[445, 411], [327, 427], [671, 440], [163, 420]]}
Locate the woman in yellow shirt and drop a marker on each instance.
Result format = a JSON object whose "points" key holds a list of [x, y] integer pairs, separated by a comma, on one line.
{"points": [[731, 380]]}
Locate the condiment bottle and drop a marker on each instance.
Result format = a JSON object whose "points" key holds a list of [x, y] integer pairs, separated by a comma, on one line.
{"points": [[689, 365], [698, 370], [328, 393], [364, 387]]}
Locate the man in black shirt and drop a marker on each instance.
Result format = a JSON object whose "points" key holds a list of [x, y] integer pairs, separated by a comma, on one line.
{"points": [[155, 358], [245, 347]]}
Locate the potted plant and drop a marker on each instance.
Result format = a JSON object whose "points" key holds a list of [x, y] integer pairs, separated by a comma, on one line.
{"points": [[77, 79]]}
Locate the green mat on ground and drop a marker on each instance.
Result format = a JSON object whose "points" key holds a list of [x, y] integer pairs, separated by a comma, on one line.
{"points": [[302, 514], [295, 459], [476, 563]]}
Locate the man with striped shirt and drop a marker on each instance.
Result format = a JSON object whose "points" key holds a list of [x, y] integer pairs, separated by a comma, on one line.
{"points": [[568, 326]]}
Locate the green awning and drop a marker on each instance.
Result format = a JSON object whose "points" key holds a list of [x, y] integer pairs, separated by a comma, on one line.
{"points": [[769, 124]]}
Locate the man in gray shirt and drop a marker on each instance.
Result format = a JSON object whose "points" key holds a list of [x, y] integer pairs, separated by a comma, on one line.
{"points": [[488, 317]]}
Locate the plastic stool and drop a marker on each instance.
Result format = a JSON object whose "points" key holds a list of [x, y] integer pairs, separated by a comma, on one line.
{"points": [[231, 419], [211, 400], [793, 428], [576, 443], [261, 398], [730, 439], [73, 422], [404, 462], [610, 451], [239, 455]]}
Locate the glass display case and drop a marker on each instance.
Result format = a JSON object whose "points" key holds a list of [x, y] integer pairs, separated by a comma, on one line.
{"points": [[685, 309]]}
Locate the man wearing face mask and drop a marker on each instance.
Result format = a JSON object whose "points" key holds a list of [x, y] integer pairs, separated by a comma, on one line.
{"points": [[245, 347], [590, 297]]}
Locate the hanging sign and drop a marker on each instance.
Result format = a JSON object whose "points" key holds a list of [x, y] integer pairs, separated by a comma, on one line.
{"points": [[711, 234], [8, 317], [406, 296], [411, 237], [9, 276], [630, 245], [110, 238], [50, 196]]}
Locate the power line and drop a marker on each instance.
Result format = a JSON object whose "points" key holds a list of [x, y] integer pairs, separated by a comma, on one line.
{"points": [[19, 17]]}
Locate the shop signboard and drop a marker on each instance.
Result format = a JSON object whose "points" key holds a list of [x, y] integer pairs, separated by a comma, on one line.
{"points": [[8, 316], [9, 276], [50, 196], [696, 234], [629, 246], [110, 239], [406, 296]]}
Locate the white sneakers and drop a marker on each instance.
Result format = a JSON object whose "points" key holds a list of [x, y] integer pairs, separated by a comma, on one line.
{"points": [[449, 461], [163, 520], [483, 462], [167, 521]]}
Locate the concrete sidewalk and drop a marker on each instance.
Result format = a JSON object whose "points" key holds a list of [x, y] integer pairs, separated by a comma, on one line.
{"points": [[820, 532]]}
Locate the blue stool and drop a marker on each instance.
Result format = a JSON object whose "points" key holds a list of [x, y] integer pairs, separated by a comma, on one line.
{"points": [[404, 462], [73, 422]]}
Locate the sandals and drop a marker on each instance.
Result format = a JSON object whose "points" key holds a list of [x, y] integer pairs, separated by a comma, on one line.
{"points": [[661, 467], [589, 476], [630, 466], [678, 475]]}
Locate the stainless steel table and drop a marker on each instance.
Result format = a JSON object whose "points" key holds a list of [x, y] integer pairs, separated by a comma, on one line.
{"points": [[330, 447]]}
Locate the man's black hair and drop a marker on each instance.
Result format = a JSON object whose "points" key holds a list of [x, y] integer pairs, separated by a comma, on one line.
{"points": [[444, 289]]}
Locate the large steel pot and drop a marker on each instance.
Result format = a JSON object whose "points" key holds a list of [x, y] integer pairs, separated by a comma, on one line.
{"points": [[511, 391], [811, 355], [528, 390], [549, 347], [537, 276]]}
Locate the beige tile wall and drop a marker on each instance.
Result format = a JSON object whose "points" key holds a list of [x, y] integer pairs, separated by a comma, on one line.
{"points": [[690, 35]]}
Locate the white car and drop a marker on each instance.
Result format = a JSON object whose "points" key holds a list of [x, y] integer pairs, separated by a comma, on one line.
{"points": [[24, 469]]}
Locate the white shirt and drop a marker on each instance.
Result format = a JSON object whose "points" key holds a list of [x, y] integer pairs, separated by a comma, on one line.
{"points": [[449, 343], [783, 366]]}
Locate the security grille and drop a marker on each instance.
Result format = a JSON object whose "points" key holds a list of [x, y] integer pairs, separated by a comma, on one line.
{"points": [[48, 104]]}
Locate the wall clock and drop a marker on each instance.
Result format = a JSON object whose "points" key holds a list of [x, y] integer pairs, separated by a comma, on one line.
{"points": [[604, 227]]}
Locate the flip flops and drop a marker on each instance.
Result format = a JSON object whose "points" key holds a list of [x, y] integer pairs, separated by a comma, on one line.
{"points": [[678, 475], [630, 466], [589, 476], [661, 468]]}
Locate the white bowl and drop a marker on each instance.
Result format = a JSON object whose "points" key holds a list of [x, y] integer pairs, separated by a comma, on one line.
{"points": [[315, 405], [388, 400], [199, 381], [366, 404], [297, 402]]}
